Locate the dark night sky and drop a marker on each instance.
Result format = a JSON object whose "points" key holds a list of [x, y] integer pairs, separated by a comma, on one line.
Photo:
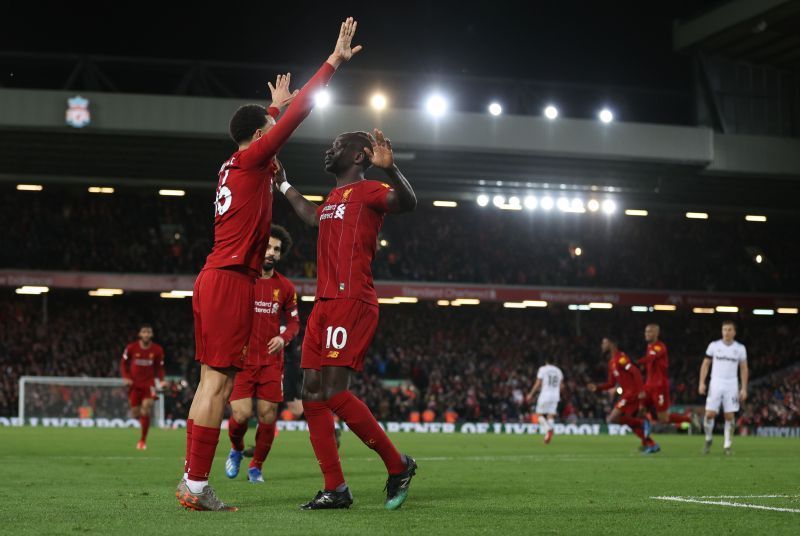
{"points": [[620, 43]]}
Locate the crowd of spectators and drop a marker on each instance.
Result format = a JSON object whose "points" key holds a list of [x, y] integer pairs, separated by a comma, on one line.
{"points": [[466, 363], [137, 232]]}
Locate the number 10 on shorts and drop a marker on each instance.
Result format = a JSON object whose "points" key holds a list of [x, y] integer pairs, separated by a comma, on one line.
{"points": [[337, 337]]}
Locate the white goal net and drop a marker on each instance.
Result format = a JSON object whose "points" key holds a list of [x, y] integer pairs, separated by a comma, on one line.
{"points": [[78, 402]]}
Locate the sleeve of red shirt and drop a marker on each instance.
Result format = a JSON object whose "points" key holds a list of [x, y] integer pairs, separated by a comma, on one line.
{"points": [[291, 313], [261, 151], [158, 364], [376, 196], [610, 381], [648, 357], [124, 365], [638, 382]]}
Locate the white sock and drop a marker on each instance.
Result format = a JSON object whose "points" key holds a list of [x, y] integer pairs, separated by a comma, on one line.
{"points": [[551, 423], [543, 424], [728, 433], [709, 427], [186, 476], [196, 486]]}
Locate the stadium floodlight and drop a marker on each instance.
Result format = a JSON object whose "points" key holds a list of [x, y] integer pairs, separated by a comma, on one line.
{"points": [[499, 201], [483, 200], [30, 187], [727, 309], [384, 242], [406, 299], [576, 205], [172, 193], [593, 205], [378, 101], [788, 310], [759, 259], [495, 109], [640, 308], [563, 204], [665, 307], [101, 190], [534, 303], [106, 292], [436, 105], [756, 218], [600, 305], [578, 251], [547, 203], [314, 198], [514, 201], [183, 293], [322, 99], [388, 301], [307, 298], [445, 204], [764, 312], [635, 212], [443, 303], [514, 305], [551, 112], [531, 202], [465, 301], [170, 296], [609, 206], [697, 215], [605, 115], [703, 310], [32, 290]]}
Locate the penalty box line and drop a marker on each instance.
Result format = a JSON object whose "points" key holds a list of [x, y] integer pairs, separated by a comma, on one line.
{"points": [[700, 500]]}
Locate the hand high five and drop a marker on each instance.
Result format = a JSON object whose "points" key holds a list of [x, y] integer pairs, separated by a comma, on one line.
{"points": [[381, 154], [342, 51]]}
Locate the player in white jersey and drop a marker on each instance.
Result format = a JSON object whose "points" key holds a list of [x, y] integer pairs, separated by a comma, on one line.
{"points": [[548, 379], [726, 357]]}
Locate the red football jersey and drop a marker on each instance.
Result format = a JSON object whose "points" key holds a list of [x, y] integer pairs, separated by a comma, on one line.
{"points": [[622, 371], [142, 365], [243, 206], [349, 222], [657, 364], [274, 296]]}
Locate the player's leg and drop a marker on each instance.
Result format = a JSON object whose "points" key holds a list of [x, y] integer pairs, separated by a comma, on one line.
{"points": [[241, 411], [135, 399], [144, 419], [713, 403], [265, 434], [728, 432], [730, 405]]}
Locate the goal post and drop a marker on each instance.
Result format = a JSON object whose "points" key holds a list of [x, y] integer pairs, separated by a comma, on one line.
{"points": [[82, 400]]}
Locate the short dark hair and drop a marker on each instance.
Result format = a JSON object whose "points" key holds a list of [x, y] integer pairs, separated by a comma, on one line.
{"points": [[361, 141], [245, 121], [279, 232], [145, 326], [729, 323], [613, 339]]}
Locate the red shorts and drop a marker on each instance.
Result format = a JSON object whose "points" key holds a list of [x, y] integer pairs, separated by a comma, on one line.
{"points": [[223, 316], [264, 382], [628, 406], [338, 334], [657, 397], [137, 393]]}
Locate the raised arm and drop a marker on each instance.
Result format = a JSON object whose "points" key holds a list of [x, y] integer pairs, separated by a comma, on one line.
{"points": [[261, 151], [302, 206], [704, 368], [402, 197]]}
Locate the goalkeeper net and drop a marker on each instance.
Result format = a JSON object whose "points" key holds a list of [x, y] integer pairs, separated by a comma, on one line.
{"points": [[78, 401]]}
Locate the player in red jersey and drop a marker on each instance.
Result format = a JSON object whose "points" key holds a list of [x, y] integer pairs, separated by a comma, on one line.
{"points": [[142, 362], [345, 315], [657, 384], [224, 291], [262, 376], [624, 372]]}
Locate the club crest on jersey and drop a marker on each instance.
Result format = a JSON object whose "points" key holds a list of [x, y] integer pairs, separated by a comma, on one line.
{"points": [[78, 115], [346, 194], [276, 294], [657, 348]]}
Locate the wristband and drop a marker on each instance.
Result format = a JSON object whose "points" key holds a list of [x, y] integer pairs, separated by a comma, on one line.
{"points": [[284, 187]]}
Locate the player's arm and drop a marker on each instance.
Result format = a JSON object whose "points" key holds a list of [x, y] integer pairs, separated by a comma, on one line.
{"points": [[402, 197], [704, 368], [266, 147], [292, 323], [611, 382], [638, 382], [158, 367], [535, 388], [305, 209], [745, 373], [125, 368]]}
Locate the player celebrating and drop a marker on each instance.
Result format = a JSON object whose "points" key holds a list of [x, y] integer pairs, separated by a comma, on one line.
{"points": [[622, 371], [548, 378], [224, 291], [345, 315], [656, 386], [727, 356], [262, 376], [142, 362]]}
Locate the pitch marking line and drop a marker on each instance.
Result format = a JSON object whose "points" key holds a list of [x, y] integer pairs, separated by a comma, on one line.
{"points": [[699, 500]]}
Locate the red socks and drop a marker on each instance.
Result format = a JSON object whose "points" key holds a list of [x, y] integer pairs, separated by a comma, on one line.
{"points": [[189, 423], [204, 445], [236, 433], [323, 440], [265, 434], [677, 418], [361, 421], [637, 425], [144, 421]]}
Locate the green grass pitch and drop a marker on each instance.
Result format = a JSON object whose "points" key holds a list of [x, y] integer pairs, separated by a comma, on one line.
{"points": [[93, 481]]}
